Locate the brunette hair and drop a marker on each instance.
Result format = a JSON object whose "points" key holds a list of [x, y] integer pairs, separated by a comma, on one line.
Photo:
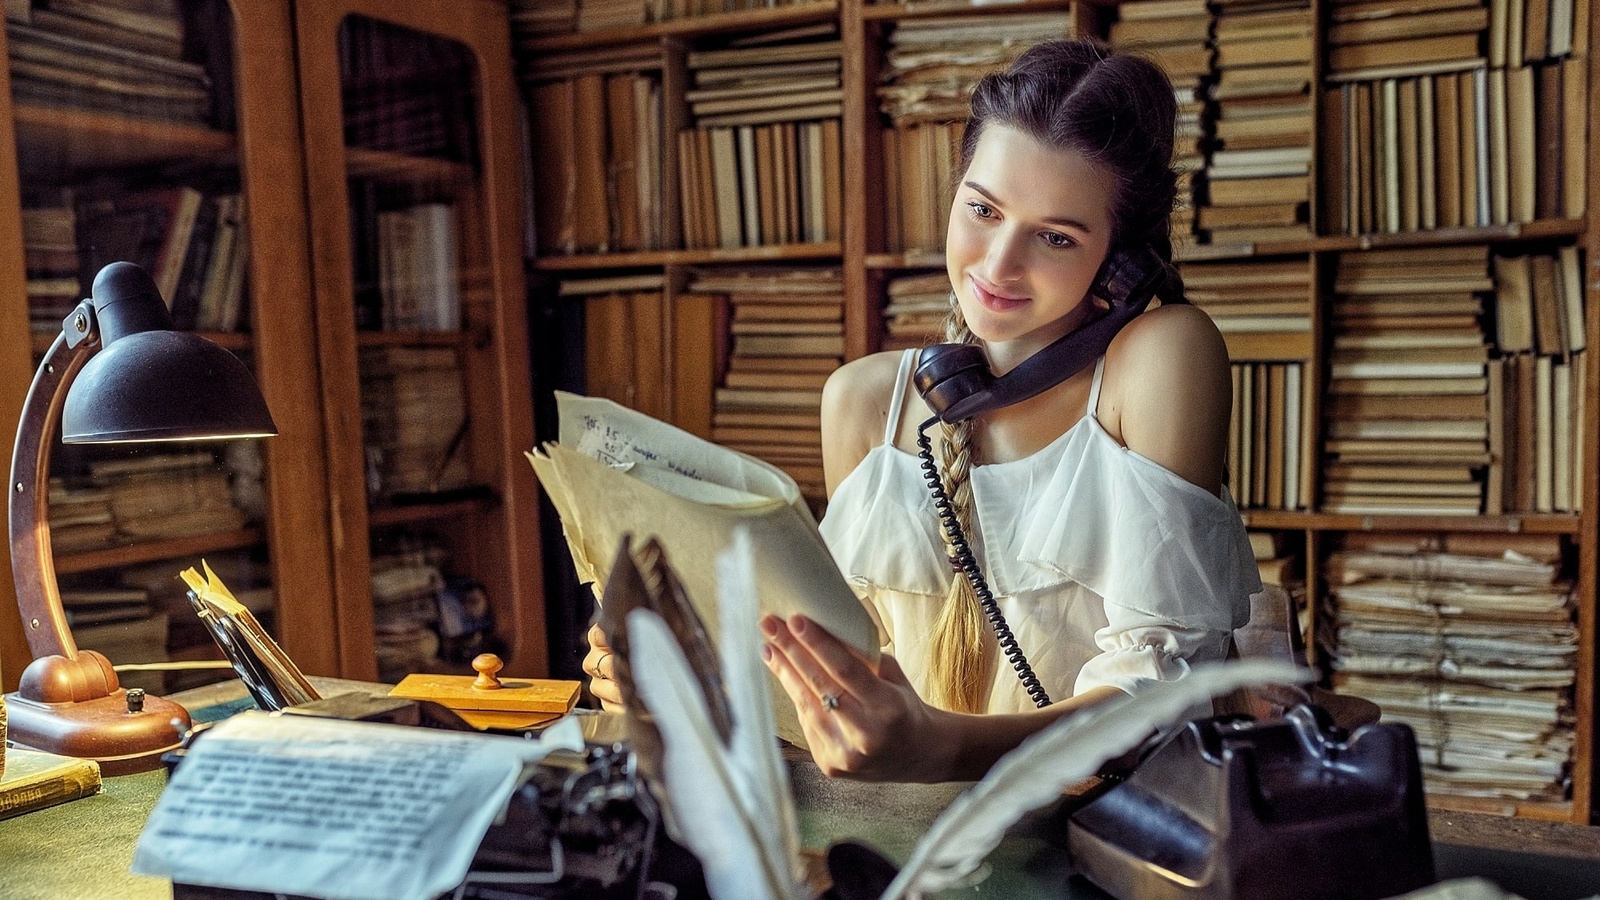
{"points": [[1117, 111]]}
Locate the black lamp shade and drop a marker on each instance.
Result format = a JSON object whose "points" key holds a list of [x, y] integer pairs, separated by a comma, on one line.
{"points": [[163, 385], [150, 383]]}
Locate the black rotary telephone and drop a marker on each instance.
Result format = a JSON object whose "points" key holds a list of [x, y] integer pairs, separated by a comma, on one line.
{"points": [[955, 381]]}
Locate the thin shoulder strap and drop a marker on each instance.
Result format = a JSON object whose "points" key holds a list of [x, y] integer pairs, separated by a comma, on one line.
{"points": [[1094, 386], [902, 380]]}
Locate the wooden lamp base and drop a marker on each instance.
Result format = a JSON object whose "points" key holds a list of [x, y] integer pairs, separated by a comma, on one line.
{"points": [[76, 707]]}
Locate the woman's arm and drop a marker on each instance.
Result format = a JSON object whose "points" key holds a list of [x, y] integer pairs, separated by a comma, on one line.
{"points": [[877, 728], [1168, 393], [855, 410]]}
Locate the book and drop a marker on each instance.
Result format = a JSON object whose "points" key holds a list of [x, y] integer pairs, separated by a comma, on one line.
{"points": [[34, 779]]}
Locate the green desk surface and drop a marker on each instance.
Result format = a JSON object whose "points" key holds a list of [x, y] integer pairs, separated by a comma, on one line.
{"points": [[82, 849]]}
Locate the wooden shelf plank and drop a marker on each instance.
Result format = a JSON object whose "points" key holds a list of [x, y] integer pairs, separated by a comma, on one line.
{"points": [[414, 339], [1268, 347], [920, 10], [742, 20], [1535, 523], [412, 513], [400, 168], [1544, 229], [154, 551], [825, 250], [74, 140]]}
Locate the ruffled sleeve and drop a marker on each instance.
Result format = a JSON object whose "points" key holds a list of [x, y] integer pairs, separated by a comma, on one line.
{"points": [[1150, 543]]}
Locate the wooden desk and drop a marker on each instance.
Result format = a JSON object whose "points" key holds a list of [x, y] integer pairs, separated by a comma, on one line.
{"points": [[82, 849]]}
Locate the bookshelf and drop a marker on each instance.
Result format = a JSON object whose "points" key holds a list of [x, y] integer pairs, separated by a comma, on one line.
{"points": [[1310, 184], [413, 110], [246, 145], [272, 133]]}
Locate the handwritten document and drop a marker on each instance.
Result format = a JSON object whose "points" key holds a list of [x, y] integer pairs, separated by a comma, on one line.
{"points": [[616, 471], [335, 809]]}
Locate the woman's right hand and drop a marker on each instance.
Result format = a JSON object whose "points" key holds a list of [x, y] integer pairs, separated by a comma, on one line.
{"points": [[601, 665]]}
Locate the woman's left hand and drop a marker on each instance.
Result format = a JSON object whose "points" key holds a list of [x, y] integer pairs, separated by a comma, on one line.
{"points": [[860, 723]]}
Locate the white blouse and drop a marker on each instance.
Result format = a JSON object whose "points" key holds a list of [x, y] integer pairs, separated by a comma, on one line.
{"points": [[1109, 568]]}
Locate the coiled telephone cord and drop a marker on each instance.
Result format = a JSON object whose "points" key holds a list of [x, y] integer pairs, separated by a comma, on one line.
{"points": [[968, 565]]}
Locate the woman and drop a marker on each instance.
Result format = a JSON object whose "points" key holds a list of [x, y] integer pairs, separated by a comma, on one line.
{"points": [[1096, 508]]}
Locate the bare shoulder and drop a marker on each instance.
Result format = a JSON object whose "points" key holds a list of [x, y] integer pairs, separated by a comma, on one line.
{"points": [[1168, 393], [855, 408]]}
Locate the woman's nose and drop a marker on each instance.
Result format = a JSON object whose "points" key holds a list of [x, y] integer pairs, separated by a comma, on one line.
{"points": [[1003, 262]]}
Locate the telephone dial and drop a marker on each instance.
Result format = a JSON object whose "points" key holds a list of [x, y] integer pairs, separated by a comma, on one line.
{"points": [[957, 384]]}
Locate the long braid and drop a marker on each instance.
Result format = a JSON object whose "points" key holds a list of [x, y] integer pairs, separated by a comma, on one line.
{"points": [[961, 650]]}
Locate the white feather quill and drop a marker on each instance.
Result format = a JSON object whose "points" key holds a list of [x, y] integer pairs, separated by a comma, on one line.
{"points": [[701, 781], [754, 747], [1063, 754]]}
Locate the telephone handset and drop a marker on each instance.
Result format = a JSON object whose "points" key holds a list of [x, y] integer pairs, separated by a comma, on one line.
{"points": [[957, 384], [955, 379]]}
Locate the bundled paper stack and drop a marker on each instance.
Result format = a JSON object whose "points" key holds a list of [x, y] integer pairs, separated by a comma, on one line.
{"points": [[1259, 175], [1474, 647], [405, 610], [915, 313], [1408, 425], [761, 165], [788, 335], [932, 66], [1255, 297], [167, 495], [80, 517], [1386, 40], [104, 56], [1176, 34], [50, 251], [413, 411]]}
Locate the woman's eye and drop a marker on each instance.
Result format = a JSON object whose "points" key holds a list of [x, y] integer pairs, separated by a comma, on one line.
{"points": [[980, 210], [1057, 239]]}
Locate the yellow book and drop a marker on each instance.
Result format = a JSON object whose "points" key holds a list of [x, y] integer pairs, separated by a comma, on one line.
{"points": [[33, 779]]}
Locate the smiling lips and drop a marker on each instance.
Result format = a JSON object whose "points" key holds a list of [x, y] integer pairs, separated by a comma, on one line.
{"points": [[993, 301]]}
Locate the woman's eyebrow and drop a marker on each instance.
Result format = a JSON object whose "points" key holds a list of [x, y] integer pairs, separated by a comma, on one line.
{"points": [[1050, 220]]}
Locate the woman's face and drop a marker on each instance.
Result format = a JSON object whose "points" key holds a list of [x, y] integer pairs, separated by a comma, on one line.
{"points": [[1028, 230]]}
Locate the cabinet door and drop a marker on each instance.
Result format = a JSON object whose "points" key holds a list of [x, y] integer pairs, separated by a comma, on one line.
{"points": [[128, 138], [410, 115]]}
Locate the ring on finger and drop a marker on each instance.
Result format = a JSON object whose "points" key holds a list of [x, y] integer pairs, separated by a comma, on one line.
{"points": [[830, 701]]}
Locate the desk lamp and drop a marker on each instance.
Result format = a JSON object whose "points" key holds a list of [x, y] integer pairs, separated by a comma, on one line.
{"points": [[150, 383]]}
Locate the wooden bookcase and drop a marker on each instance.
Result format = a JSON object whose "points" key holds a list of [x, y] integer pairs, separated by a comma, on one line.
{"points": [[694, 358], [282, 148]]}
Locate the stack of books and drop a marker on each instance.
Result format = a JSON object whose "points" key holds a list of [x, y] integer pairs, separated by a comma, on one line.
{"points": [[598, 140], [532, 19], [50, 252], [193, 244], [414, 419], [761, 165], [407, 92], [1470, 640], [1265, 296], [915, 313], [626, 323], [405, 609], [1408, 425], [1177, 34], [1369, 40], [161, 496], [1259, 174], [1537, 385], [788, 336], [1267, 436], [931, 67], [80, 517], [419, 269], [104, 56]]}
